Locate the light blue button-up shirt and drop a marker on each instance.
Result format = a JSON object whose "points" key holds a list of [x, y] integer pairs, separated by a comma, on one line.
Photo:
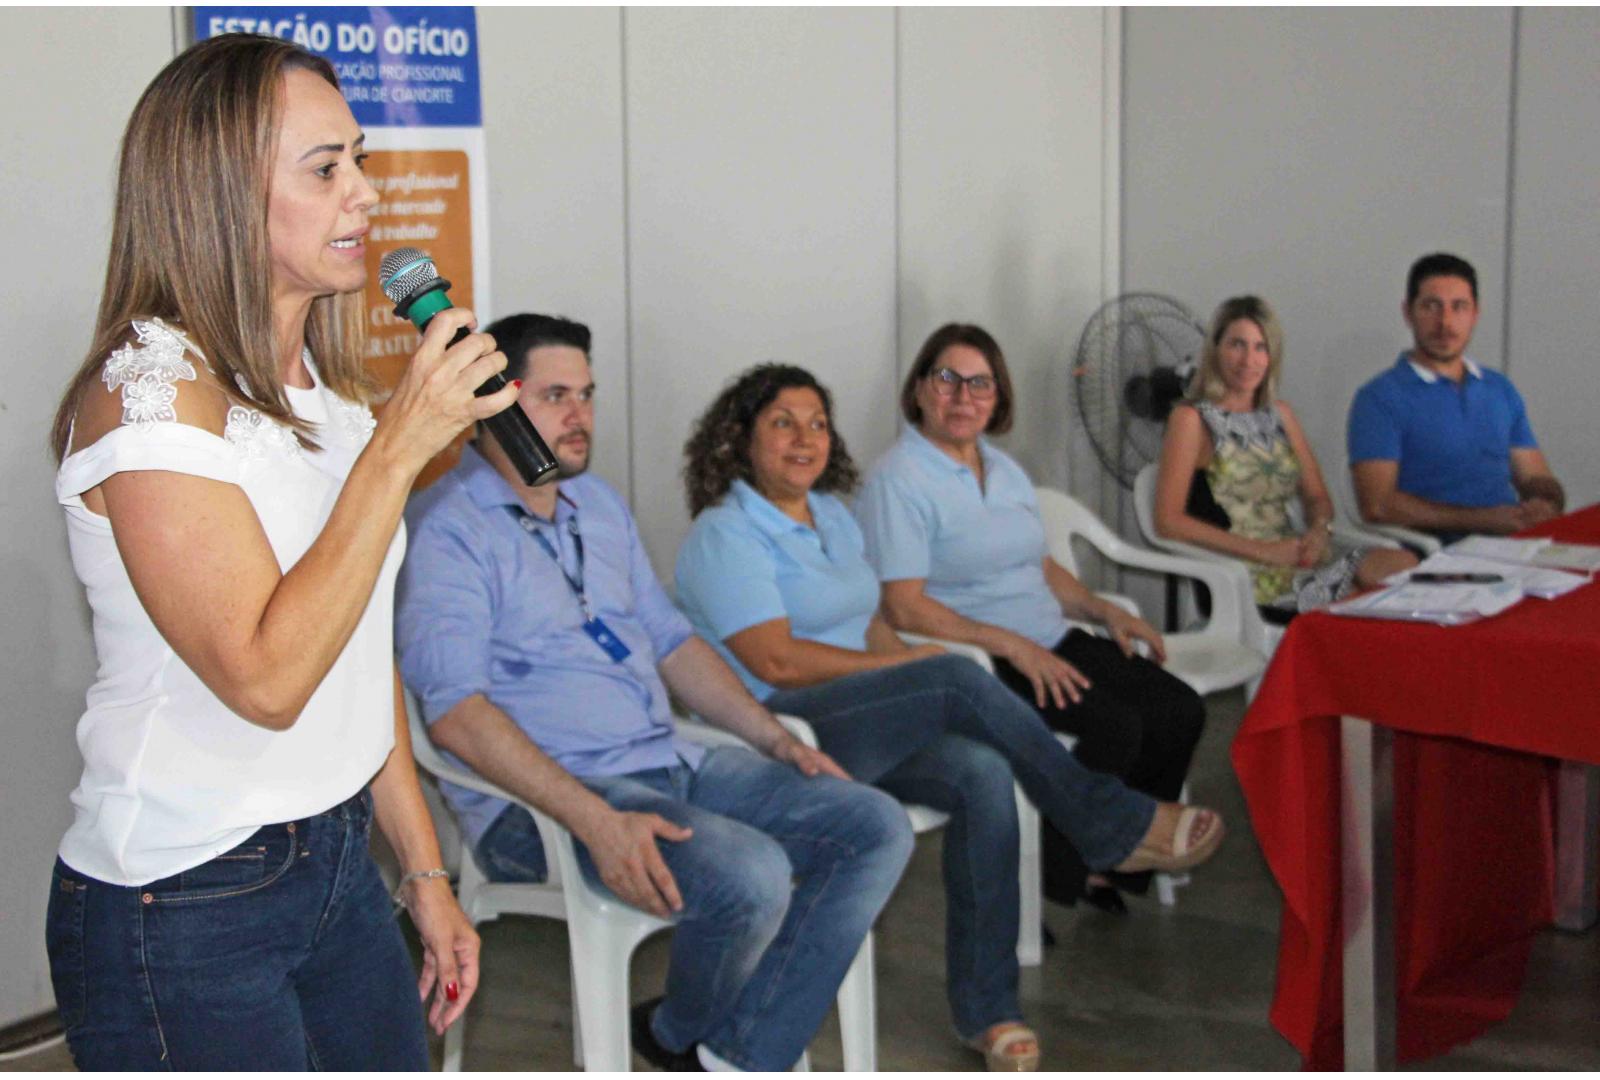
{"points": [[482, 608], [1453, 443], [746, 562], [980, 550]]}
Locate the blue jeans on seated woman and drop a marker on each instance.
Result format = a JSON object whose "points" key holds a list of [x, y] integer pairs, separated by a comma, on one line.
{"points": [[781, 881], [945, 733], [281, 954]]}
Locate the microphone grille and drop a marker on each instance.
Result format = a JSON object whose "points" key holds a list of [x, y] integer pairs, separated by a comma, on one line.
{"points": [[402, 270]]}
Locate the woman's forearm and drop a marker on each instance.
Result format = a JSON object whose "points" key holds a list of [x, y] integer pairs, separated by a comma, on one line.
{"points": [[1191, 530], [317, 605], [909, 609]]}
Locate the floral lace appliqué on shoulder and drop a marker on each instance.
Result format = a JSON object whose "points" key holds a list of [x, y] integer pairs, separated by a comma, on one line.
{"points": [[258, 437], [356, 420], [147, 372]]}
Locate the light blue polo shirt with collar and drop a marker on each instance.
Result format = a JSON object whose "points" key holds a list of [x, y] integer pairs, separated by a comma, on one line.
{"points": [[981, 551], [1453, 443], [745, 562]]}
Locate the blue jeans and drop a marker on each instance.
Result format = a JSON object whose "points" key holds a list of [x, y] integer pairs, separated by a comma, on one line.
{"points": [[281, 954], [945, 733], [781, 881]]}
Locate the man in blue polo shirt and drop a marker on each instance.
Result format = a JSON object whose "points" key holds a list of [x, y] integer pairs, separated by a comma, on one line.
{"points": [[542, 648], [1437, 442]]}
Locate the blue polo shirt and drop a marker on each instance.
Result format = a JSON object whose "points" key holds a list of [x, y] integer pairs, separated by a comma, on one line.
{"points": [[746, 562], [1453, 443], [482, 608], [980, 551]]}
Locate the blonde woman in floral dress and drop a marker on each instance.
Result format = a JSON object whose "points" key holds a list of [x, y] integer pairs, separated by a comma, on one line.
{"points": [[1235, 462]]}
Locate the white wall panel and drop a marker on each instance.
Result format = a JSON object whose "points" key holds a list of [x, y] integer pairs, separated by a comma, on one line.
{"points": [[1554, 316], [1310, 156], [1000, 199], [761, 223], [76, 75], [553, 120]]}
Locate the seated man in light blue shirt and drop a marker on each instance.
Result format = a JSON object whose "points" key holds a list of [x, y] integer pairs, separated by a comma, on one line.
{"points": [[542, 648], [1437, 442]]}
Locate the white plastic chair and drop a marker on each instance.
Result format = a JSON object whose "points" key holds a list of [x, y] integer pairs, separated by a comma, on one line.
{"points": [[1255, 631], [1350, 507], [1214, 658], [603, 932]]}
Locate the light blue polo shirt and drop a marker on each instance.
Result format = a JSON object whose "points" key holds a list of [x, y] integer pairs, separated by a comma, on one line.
{"points": [[745, 562], [980, 551], [1453, 442]]}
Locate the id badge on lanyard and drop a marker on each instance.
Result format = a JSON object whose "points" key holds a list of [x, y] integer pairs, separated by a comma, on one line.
{"points": [[593, 625]]}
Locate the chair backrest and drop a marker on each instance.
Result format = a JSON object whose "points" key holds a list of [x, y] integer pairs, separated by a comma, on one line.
{"points": [[1066, 519], [1144, 501]]}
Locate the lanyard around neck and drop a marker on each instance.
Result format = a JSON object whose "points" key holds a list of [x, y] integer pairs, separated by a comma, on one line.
{"points": [[531, 525]]}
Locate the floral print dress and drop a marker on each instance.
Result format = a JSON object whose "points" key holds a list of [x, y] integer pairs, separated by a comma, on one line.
{"points": [[1254, 477]]}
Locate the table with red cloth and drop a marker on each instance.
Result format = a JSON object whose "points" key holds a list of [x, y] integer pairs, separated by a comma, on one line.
{"points": [[1480, 712]]}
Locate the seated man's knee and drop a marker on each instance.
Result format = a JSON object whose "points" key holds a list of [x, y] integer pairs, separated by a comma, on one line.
{"points": [[882, 830], [750, 884]]}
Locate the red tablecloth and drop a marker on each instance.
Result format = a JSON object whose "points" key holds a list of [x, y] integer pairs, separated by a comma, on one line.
{"points": [[1473, 708]]}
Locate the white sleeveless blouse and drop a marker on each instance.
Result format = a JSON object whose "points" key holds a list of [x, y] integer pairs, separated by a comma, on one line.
{"points": [[172, 777]]}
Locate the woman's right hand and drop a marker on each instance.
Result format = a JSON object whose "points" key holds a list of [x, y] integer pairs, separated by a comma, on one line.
{"points": [[1280, 552], [1054, 680], [434, 400]]}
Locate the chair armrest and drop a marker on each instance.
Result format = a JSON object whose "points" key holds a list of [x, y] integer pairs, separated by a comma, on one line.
{"points": [[1352, 535], [1227, 578], [798, 728], [697, 730], [1126, 603], [1409, 537], [960, 648]]}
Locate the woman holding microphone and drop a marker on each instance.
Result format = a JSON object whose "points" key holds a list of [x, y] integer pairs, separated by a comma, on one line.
{"points": [[233, 511]]}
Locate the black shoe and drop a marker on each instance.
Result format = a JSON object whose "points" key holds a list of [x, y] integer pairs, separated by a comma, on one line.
{"points": [[644, 1042], [1106, 898]]}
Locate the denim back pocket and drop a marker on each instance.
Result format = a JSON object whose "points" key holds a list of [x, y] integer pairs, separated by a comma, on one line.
{"points": [[63, 938], [262, 859]]}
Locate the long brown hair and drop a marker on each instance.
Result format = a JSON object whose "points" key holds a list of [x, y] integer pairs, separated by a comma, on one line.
{"points": [[189, 235]]}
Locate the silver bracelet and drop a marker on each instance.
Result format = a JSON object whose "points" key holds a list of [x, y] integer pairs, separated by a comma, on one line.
{"points": [[416, 875]]}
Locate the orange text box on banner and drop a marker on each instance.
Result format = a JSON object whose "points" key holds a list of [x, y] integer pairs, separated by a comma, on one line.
{"points": [[425, 202]]}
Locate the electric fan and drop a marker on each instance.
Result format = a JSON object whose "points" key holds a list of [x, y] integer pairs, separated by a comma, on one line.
{"points": [[1133, 363]]}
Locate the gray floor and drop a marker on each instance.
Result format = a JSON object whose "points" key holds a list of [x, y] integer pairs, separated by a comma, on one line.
{"points": [[1186, 988]]}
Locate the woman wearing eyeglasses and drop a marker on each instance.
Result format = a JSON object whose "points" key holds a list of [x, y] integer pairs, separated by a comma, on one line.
{"points": [[952, 529], [772, 574]]}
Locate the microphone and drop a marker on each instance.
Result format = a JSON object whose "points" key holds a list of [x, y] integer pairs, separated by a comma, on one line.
{"points": [[409, 278]]}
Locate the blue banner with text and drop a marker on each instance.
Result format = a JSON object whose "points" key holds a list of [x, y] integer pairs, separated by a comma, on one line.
{"points": [[398, 66]]}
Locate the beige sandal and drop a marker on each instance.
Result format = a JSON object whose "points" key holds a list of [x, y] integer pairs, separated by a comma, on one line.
{"points": [[996, 1050], [1182, 856]]}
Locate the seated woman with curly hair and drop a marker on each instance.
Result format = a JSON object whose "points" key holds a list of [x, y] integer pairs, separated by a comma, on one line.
{"points": [[773, 574]]}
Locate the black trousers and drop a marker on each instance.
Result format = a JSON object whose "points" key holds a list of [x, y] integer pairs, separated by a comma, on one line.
{"points": [[1136, 722]]}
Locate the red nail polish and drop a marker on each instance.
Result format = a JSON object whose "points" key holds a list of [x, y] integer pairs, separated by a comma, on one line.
{"points": [[517, 383], [451, 991]]}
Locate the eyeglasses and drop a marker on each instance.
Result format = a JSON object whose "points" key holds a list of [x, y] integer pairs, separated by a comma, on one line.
{"points": [[947, 382]]}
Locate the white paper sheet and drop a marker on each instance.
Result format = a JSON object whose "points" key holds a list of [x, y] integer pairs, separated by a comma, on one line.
{"points": [[1535, 580]]}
